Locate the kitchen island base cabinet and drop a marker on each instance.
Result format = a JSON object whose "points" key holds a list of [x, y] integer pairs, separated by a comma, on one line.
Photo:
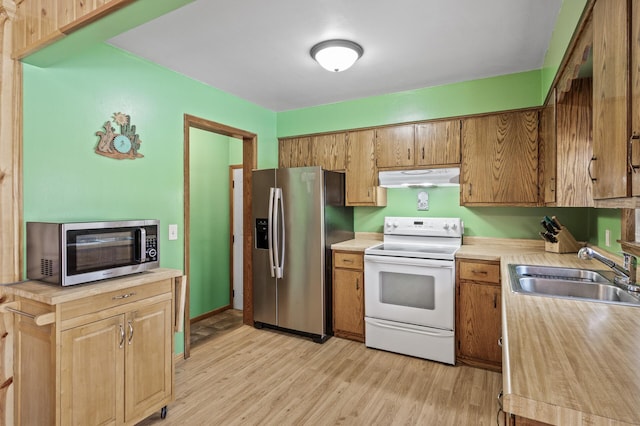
{"points": [[348, 295], [106, 359], [478, 314]]}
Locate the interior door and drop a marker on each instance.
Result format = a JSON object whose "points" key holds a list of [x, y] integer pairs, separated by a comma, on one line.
{"points": [[238, 238]]}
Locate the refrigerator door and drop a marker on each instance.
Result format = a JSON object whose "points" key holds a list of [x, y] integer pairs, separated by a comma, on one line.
{"points": [[264, 281], [300, 296]]}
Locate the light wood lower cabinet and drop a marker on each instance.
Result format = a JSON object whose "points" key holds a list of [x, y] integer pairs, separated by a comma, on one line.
{"points": [[106, 359], [478, 314], [348, 295]]}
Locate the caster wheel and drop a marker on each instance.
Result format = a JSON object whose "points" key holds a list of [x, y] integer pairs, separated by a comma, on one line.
{"points": [[163, 412]]}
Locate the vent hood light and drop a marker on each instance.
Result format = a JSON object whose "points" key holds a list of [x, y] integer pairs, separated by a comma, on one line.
{"points": [[420, 178]]}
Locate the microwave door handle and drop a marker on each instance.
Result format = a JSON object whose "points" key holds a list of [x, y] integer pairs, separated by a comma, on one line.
{"points": [[270, 231], [280, 270], [142, 234]]}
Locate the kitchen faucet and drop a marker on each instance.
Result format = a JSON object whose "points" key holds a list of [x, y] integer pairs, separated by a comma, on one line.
{"points": [[625, 275]]}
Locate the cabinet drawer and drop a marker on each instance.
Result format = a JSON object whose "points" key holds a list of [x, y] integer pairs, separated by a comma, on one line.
{"points": [[475, 271], [113, 299], [348, 260]]}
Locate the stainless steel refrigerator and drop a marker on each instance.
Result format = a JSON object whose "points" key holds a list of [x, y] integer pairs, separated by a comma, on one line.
{"points": [[297, 214]]}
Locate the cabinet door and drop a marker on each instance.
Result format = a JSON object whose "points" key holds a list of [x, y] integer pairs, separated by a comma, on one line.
{"points": [[479, 325], [438, 143], [348, 303], [610, 99], [574, 146], [361, 171], [148, 359], [92, 373], [395, 146], [329, 151], [500, 159], [294, 152], [548, 149]]}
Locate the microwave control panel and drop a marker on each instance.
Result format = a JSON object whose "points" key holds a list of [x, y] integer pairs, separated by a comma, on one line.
{"points": [[152, 248]]}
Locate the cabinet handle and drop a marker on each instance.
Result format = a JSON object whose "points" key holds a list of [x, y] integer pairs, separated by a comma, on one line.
{"points": [[473, 271], [357, 283], [130, 331], [470, 189], [632, 167], [408, 153], [423, 152], [500, 342], [495, 301], [124, 296], [121, 335], [347, 260], [589, 169]]}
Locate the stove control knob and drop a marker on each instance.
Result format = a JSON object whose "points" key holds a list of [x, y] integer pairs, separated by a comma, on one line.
{"points": [[446, 226], [454, 226], [395, 224]]}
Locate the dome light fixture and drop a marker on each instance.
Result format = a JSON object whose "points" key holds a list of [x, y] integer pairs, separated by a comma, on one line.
{"points": [[336, 55]]}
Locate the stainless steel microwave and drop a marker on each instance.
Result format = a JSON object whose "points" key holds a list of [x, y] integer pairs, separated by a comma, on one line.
{"points": [[76, 253]]}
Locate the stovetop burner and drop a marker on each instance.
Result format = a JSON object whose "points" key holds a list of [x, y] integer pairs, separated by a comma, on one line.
{"points": [[426, 238]]}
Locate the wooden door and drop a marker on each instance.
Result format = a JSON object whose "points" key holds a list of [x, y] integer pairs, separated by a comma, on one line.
{"points": [[92, 373], [294, 152], [395, 146], [610, 99], [329, 151], [500, 159], [438, 143], [548, 149], [148, 359], [635, 96], [348, 303], [479, 326], [361, 171], [574, 146]]}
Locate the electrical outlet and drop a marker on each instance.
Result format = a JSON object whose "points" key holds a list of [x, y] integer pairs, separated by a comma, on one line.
{"points": [[607, 238], [173, 232]]}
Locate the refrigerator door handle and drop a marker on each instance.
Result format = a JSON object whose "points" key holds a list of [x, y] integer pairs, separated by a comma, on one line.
{"points": [[280, 268], [270, 235]]}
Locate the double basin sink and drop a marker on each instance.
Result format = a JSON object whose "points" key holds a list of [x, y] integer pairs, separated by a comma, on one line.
{"points": [[570, 283]]}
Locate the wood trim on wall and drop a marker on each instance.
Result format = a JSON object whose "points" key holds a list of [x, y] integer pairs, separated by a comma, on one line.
{"points": [[11, 242], [249, 162]]}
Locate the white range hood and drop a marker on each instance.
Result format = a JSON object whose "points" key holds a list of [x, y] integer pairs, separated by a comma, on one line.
{"points": [[419, 178]]}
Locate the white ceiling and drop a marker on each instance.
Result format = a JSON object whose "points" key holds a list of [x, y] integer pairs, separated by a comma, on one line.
{"points": [[258, 50]]}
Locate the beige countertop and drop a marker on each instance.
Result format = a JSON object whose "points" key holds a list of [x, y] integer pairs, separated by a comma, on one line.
{"points": [[568, 362], [53, 294]]}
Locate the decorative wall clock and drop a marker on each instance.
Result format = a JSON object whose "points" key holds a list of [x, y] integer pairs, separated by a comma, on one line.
{"points": [[119, 145]]}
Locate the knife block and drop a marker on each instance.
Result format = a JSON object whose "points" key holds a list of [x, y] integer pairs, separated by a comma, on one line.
{"points": [[566, 243]]}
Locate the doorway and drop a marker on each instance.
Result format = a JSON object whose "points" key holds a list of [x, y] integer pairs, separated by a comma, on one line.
{"points": [[249, 162], [236, 235]]}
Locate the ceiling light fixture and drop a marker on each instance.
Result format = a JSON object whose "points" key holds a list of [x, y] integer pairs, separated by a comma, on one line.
{"points": [[336, 55]]}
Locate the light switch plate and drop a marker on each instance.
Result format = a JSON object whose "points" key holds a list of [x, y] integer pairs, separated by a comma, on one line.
{"points": [[173, 232], [423, 201]]}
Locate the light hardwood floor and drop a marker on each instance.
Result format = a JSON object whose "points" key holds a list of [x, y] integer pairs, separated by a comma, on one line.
{"points": [[251, 377]]}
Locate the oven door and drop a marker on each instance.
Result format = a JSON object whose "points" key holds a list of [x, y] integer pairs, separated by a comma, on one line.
{"points": [[408, 290]]}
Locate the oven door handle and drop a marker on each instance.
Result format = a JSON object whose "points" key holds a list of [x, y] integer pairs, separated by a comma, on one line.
{"points": [[410, 261], [444, 333]]}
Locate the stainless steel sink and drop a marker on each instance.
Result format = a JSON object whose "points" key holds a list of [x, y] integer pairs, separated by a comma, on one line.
{"points": [[569, 283]]}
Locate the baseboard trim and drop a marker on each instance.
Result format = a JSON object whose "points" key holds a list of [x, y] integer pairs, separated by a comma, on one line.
{"points": [[209, 314]]}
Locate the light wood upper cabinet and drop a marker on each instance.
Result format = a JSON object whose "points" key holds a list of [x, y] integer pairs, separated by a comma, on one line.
{"points": [[611, 99], [438, 143], [294, 152], [500, 159], [361, 172], [395, 146], [329, 151]]}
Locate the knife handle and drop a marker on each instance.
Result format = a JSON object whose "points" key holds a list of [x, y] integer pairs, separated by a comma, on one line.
{"points": [[556, 223]]}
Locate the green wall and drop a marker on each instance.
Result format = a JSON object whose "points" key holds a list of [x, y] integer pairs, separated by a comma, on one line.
{"points": [[570, 13], [66, 103]]}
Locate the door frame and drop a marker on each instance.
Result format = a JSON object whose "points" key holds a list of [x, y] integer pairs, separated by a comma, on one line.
{"points": [[249, 163]]}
